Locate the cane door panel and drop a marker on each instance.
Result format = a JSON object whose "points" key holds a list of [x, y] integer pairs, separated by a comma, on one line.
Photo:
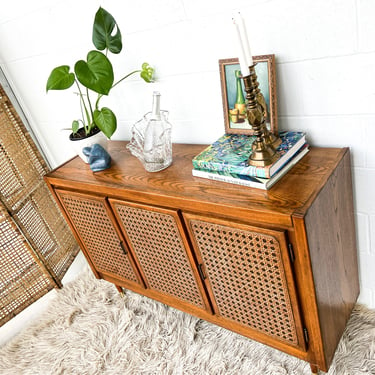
{"points": [[166, 262], [91, 219], [248, 276]]}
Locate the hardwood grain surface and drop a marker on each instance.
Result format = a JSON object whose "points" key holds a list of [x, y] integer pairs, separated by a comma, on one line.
{"points": [[127, 178]]}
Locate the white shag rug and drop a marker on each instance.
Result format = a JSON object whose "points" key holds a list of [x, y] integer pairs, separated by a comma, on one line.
{"points": [[89, 329]]}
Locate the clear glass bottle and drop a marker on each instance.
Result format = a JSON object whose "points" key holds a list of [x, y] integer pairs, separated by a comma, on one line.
{"points": [[151, 139]]}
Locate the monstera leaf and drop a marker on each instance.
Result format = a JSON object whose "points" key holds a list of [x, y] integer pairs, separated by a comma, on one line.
{"points": [[106, 121], [60, 78], [103, 35], [95, 74], [147, 72]]}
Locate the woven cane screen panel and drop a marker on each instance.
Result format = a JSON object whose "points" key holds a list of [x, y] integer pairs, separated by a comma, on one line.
{"points": [[47, 230], [22, 281], [96, 229], [26, 197], [247, 276], [21, 164], [48, 244], [157, 242]]}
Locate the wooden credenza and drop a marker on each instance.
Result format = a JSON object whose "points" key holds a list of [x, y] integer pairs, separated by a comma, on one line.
{"points": [[277, 266]]}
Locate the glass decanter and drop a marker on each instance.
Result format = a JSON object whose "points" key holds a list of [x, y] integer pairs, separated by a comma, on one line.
{"points": [[151, 138]]}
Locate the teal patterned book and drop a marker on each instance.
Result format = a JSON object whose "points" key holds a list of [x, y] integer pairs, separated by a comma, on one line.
{"points": [[230, 154], [251, 181]]}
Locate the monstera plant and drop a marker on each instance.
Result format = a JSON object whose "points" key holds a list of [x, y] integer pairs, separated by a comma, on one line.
{"points": [[94, 78]]}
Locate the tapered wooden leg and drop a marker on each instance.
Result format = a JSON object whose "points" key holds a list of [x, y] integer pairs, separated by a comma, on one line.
{"points": [[120, 290], [314, 369]]}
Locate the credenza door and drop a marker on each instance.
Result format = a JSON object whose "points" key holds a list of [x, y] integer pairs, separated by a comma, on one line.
{"points": [[248, 275], [91, 219], [163, 254]]}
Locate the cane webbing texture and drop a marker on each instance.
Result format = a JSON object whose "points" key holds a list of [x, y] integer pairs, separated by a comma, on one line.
{"points": [[158, 245], [22, 281], [97, 232], [247, 276], [25, 197]]}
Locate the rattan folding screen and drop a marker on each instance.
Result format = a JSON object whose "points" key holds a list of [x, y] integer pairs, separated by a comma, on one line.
{"points": [[36, 245]]}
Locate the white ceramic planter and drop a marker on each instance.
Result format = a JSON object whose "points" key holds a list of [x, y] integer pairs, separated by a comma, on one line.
{"points": [[79, 144]]}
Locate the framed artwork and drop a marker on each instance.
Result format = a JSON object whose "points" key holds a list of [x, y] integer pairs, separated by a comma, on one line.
{"points": [[234, 95]]}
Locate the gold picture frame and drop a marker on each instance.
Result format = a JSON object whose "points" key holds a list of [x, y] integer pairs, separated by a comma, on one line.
{"points": [[235, 119]]}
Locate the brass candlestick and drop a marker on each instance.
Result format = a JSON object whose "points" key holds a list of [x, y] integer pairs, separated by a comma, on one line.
{"points": [[269, 138], [263, 154]]}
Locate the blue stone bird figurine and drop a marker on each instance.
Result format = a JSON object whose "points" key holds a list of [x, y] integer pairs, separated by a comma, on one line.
{"points": [[98, 157]]}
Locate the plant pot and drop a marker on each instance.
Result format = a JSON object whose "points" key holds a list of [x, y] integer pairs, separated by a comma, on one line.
{"points": [[78, 143]]}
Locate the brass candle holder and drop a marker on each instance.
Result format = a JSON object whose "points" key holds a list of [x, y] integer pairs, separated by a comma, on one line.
{"points": [[269, 138], [263, 153]]}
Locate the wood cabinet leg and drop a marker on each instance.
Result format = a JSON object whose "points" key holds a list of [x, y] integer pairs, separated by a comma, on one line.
{"points": [[314, 369], [120, 290]]}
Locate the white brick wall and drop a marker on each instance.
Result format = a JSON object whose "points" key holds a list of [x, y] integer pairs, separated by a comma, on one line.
{"points": [[325, 52]]}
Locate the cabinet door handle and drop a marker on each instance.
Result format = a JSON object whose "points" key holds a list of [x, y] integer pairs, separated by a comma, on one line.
{"points": [[123, 248], [200, 269]]}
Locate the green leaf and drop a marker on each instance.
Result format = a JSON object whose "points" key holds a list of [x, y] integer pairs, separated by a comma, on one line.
{"points": [[95, 74], [147, 72], [75, 126], [60, 78], [106, 121], [105, 32]]}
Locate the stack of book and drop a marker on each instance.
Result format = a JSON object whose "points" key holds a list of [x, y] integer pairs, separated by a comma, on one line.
{"points": [[227, 160]]}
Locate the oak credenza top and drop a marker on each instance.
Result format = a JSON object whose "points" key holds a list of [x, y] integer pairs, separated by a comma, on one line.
{"points": [[127, 178]]}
